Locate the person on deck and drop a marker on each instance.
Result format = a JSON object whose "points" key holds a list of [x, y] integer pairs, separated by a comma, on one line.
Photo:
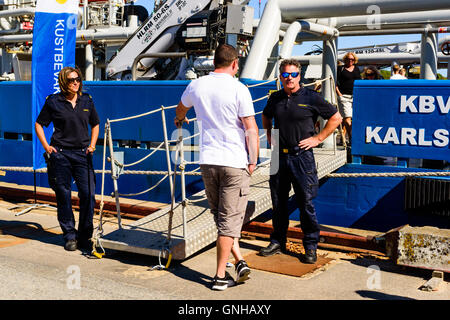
{"points": [[396, 75], [346, 76]]}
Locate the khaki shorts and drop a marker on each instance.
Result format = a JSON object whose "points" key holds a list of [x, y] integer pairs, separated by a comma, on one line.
{"points": [[227, 191], [346, 105]]}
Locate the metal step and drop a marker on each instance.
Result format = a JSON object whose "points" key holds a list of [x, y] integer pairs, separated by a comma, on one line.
{"points": [[148, 235]]}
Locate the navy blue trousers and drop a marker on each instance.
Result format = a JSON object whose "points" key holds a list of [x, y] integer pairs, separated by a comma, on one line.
{"points": [[299, 171], [62, 167]]}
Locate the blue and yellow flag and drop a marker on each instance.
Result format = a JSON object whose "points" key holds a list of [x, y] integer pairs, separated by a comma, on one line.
{"points": [[54, 35]]}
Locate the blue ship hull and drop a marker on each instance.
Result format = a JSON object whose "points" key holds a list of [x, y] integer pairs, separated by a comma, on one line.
{"points": [[366, 203]]}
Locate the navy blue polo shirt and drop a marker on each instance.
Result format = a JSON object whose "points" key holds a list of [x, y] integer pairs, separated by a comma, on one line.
{"points": [[295, 116], [71, 125]]}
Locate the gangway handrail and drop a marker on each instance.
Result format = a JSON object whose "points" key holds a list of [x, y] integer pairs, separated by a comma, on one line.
{"points": [[179, 152], [147, 156], [261, 83], [147, 190]]}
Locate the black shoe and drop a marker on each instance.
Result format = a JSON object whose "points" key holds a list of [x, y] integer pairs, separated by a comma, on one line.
{"points": [[242, 271], [270, 250], [71, 245], [310, 256], [223, 283]]}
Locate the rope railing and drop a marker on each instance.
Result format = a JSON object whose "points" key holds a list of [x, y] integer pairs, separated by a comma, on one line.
{"points": [[317, 82], [145, 191], [262, 98], [261, 83], [99, 171], [389, 174], [142, 114], [192, 136], [147, 156], [190, 162], [135, 116], [196, 173]]}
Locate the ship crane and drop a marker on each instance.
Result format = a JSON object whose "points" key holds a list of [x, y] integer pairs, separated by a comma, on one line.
{"points": [[177, 25]]}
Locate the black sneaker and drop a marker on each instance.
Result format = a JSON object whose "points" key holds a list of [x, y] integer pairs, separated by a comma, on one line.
{"points": [[71, 245], [242, 271], [221, 284]]}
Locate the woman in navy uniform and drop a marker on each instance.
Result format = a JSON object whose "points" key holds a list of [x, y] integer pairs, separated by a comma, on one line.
{"points": [[69, 154]]}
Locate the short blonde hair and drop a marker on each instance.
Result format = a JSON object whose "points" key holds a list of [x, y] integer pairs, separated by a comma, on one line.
{"points": [[348, 54], [64, 83]]}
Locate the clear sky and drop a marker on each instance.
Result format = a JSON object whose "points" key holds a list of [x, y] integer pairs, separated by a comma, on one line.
{"points": [[343, 42]]}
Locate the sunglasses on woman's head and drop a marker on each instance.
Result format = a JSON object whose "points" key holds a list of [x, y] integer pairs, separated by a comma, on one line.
{"points": [[292, 74]]}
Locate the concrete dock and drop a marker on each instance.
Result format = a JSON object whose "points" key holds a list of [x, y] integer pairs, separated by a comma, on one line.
{"points": [[35, 266]]}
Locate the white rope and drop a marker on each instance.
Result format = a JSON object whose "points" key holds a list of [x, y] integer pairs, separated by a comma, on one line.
{"points": [[141, 172], [147, 156], [195, 173], [261, 83], [135, 116], [193, 136], [191, 162], [143, 114], [169, 107], [23, 169], [196, 200], [145, 191], [262, 98], [388, 174], [317, 82]]}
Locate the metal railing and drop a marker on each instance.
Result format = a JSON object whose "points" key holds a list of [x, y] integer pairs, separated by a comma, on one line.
{"points": [[180, 163]]}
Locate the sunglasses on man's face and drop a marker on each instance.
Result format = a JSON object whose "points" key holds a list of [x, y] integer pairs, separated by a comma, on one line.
{"points": [[292, 74], [72, 80]]}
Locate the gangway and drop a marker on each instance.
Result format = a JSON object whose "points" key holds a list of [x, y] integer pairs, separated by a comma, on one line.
{"points": [[148, 235], [181, 229]]}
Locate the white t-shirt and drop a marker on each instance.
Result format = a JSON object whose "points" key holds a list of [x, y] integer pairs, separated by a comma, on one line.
{"points": [[397, 76], [219, 102]]}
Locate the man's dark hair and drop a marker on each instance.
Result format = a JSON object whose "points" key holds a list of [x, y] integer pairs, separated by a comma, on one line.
{"points": [[224, 56], [290, 62]]}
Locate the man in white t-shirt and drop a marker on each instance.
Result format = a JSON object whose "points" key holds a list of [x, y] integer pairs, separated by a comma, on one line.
{"points": [[229, 145]]}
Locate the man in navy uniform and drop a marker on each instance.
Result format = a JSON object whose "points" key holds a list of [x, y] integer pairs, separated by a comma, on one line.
{"points": [[295, 110]]}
